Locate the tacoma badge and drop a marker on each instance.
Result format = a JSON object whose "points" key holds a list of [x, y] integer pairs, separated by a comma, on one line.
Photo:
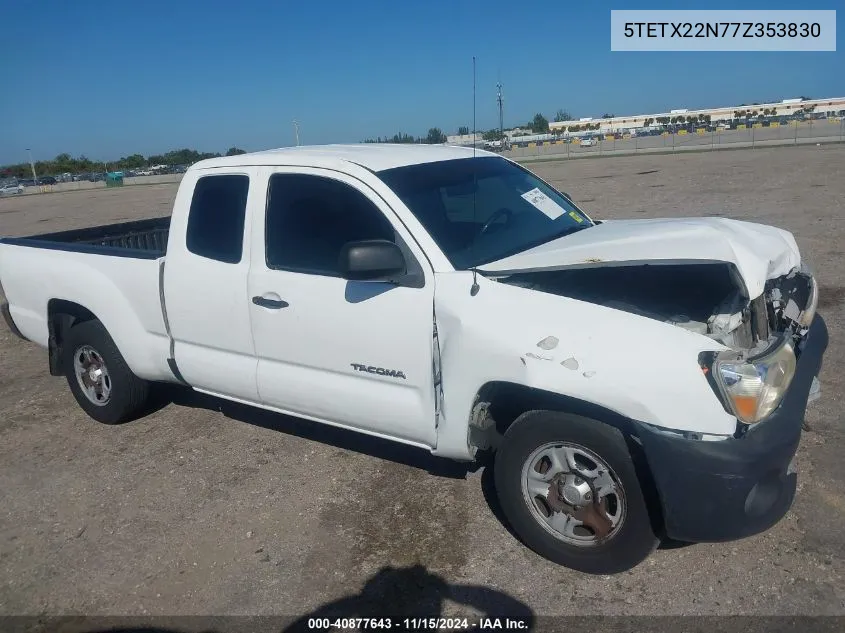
{"points": [[381, 371]]}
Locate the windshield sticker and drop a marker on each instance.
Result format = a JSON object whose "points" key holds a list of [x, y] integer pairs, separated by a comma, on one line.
{"points": [[542, 202], [576, 216]]}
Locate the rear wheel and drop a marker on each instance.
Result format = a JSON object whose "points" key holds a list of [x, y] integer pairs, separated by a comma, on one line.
{"points": [[569, 489], [99, 377]]}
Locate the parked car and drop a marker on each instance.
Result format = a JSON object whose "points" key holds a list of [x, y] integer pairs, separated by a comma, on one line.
{"points": [[29, 182], [449, 299], [46, 180], [11, 189], [588, 142]]}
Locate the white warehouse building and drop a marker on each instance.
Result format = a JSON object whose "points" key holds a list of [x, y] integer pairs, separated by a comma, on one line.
{"points": [[787, 107]]}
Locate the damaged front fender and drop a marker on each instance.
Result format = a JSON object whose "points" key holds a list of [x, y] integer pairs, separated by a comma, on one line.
{"points": [[629, 364]]}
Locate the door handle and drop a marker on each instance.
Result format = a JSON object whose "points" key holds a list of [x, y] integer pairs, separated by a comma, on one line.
{"points": [[273, 304]]}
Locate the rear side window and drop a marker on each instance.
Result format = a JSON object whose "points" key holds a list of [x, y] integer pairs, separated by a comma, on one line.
{"points": [[216, 218], [310, 218]]}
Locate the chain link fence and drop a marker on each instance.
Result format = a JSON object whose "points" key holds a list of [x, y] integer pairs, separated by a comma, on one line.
{"points": [[101, 184], [753, 135]]}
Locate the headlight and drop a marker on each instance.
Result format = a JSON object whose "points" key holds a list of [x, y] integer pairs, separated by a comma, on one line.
{"points": [[754, 387], [806, 318]]}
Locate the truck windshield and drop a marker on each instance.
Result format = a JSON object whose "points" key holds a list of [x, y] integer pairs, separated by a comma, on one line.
{"points": [[479, 210]]}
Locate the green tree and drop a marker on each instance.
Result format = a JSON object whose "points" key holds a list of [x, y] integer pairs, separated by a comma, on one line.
{"points": [[562, 115], [492, 135], [435, 136], [403, 138], [235, 151], [539, 124], [463, 130], [135, 161]]}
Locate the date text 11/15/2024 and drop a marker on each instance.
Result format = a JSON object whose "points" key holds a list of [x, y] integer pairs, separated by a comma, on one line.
{"points": [[413, 624]]}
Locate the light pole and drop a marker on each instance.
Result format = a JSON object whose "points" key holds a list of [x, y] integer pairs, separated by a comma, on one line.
{"points": [[501, 113], [296, 131], [32, 167]]}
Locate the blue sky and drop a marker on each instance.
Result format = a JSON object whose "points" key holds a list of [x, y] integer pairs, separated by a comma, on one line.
{"points": [[115, 78]]}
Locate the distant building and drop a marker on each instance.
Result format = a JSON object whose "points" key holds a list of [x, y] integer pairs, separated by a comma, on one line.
{"points": [[783, 108]]}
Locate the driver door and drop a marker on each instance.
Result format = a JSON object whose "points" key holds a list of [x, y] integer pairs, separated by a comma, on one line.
{"points": [[356, 354]]}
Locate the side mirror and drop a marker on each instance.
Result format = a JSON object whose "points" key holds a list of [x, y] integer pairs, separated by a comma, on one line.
{"points": [[565, 195], [372, 260]]}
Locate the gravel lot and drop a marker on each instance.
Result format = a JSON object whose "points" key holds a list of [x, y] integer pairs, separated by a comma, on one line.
{"points": [[205, 507]]}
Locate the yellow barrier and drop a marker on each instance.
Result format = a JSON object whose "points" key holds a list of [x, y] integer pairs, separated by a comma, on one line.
{"points": [[700, 132], [741, 127], [774, 124], [576, 141], [756, 125], [532, 145], [626, 137], [682, 132], [664, 134], [609, 137]]}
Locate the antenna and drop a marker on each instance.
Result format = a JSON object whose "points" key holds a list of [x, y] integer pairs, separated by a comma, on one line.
{"points": [[473, 120], [499, 101], [475, 287]]}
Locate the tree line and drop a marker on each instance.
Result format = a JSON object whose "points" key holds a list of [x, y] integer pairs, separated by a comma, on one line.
{"points": [[539, 124], [435, 136], [65, 163]]}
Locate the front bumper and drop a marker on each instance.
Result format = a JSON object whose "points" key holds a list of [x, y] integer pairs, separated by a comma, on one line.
{"points": [[730, 489]]}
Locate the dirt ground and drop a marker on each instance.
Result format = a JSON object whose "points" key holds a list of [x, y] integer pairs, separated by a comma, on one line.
{"points": [[205, 507]]}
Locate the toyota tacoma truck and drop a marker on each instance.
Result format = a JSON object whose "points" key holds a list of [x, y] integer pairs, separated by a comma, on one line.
{"points": [[633, 379]]}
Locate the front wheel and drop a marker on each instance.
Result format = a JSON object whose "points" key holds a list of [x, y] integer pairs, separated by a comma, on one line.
{"points": [[569, 489], [99, 377]]}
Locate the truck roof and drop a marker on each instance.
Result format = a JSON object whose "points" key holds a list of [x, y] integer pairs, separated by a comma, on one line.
{"points": [[373, 156]]}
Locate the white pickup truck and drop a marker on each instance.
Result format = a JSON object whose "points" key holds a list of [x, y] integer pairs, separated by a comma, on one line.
{"points": [[634, 379]]}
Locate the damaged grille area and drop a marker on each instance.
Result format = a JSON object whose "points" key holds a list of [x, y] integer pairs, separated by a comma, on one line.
{"points": [[706, 298]]}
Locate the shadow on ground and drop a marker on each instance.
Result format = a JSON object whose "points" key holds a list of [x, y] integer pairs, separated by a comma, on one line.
{"points": [[323, 433], [367, 445], [412, 592], [415, 593]]}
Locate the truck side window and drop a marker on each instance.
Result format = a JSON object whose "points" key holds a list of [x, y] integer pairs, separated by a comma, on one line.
{"points": [[310, 218], [216, 218]]}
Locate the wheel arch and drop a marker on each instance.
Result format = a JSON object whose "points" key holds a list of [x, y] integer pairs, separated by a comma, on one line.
{"points": [[61, 316], [498, 404], [505, 401]]}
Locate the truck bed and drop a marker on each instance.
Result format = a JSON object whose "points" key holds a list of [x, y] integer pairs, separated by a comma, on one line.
{"points": [[144, 239]]}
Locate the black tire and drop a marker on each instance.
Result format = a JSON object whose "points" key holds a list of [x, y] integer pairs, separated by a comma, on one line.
{"points": [[635, 538], [128, 394]]}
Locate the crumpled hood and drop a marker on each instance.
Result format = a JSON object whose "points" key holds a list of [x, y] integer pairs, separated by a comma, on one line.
{"points": [[758, 252]]}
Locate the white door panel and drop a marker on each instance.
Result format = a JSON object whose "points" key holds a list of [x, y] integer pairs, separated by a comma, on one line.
{"points": [[309, 347], [307, 352], [208, 307]]}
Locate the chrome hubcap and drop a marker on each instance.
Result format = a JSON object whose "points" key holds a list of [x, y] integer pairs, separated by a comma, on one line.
{"points": [[573, 494], [92, 375]]}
